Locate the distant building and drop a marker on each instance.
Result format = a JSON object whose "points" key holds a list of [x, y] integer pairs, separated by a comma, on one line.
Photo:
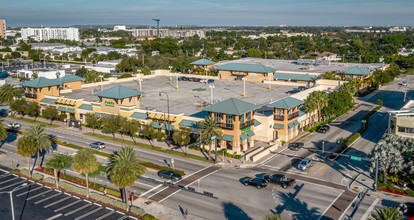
{"points": [[322, 56], [398, 29], [120, 28], [357, 31], [252, 72], [45, 73], [401, 122], [169, 33], [46, 46], [40, 34], [405, 52], [3, 29], [145, 37]]}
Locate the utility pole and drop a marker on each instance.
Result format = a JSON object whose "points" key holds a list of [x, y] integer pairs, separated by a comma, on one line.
{"points": [[270, 81], [170, 72]]}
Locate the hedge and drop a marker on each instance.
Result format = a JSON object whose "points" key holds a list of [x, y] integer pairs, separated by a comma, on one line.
{"points": [[352, 139], [15, 171]]}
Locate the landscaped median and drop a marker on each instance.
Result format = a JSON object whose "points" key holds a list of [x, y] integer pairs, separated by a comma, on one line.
{"points": [[34, 121], [147, 146], [109, 155], [73, 188]]}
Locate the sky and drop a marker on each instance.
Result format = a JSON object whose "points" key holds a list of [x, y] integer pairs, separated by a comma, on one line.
{"points": [[208, 12]]}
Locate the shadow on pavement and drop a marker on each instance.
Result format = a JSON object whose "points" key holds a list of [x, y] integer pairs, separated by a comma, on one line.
{"points": [[233, 212]]}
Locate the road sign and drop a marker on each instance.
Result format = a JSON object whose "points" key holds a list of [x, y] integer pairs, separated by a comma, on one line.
{"points": [[214, 137], [355, 158]]}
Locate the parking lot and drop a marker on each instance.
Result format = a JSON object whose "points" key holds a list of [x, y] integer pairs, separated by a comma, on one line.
{"points": [[191, 97], [37, 201]]}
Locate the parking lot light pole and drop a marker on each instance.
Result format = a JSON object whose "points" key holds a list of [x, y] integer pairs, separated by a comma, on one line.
{"points": [[139, 82], [270, 82], [212, 97], [11, 197], [206, 76], [244, 86], [168, 110], [170, 72], [101, 76], [176, 77]]}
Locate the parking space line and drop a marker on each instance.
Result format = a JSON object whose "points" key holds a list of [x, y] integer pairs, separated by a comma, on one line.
{"points": [[8, 180], [32, 190], [120, 213], [123, 217], [87, 214], [76, 197], [110, 209], [67, 194], [106, 215], [56, 202], [35, 196], [15, 175], [4, 175], [57, 190], [54, 217], [87, 201], [78, 209], [68, 205], [371, 207], [47, 198], [31, 181], [133, 217], [97, 204], [47, 187], [13, 184], [39, 184]]}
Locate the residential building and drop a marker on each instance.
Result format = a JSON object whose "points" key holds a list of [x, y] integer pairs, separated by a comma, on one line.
{"points": [[405, 52], [46, 73], [203, 64], [321, 56], [3, 29], [120, 28], [46, 46], [401, 122], [398, 29], [35, 90], [252, 72], [44, 34], [173, 33], [23, 54], [72, 82]]}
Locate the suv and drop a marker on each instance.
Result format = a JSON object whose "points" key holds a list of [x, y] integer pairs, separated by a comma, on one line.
{"points": [[97, 145], [279, 179], [168, 174], [13, 125], [295, 146], [305, 164], [257, 182]]}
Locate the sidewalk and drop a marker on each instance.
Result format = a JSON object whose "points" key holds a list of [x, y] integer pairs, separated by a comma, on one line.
{"points": [[230, 162]]}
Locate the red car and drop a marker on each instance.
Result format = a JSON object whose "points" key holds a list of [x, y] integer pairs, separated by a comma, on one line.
{"points": [[14, 63]]}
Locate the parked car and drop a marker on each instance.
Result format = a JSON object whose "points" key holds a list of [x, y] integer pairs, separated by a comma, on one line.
{"points": [[196, 80], [168, 174], [257, 182], [295, 90], [97, 145], [332, 156], [19, 63], [210, 81], [14, 63], [203, 80], [182, 78], [13, 125], [280, 179], [305, 164], [406, 209], [323, 129], [301, 88], [295, 146], [191, 79]]}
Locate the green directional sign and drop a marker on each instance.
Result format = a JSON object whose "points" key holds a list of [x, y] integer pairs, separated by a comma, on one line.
{"points": [[355, 158], [214, 137]]}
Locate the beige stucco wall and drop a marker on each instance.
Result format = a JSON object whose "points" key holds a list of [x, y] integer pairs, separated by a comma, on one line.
{"points": [[330, 82], [264, 132]]}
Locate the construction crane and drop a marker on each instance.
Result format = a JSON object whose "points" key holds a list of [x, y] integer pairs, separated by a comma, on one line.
{"points": [[158, 26]]}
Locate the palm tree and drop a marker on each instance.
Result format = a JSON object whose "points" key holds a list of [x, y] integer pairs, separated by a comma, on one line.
{"points": [[272, 217], [387, 213], [58, 163], [40, 138], [3, 131], [84, 163], [26, 148], [124, 170], [209, 128], [8, 93]]}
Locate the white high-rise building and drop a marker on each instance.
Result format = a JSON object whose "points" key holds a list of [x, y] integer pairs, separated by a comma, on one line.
{"points": [[40, 34], [169, 33], [3, 29]]}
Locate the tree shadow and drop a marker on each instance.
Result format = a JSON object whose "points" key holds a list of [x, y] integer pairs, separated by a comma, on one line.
{"points": [[233, 212], [299, 209]]}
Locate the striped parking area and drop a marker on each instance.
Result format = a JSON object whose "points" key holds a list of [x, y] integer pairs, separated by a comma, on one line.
{"points": [[37, 201]]}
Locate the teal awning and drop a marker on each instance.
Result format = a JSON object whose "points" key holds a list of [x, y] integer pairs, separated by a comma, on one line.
{"points": [[156, 124], [167, 127], [70, 110], [291, 125], [256, 123], [62, 109], [139, 115], [250, 133], [278, 126], [227, 137], [97, 114], [295, 122], [243, 136]]}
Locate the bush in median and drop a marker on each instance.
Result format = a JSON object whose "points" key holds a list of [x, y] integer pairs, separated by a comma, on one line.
{"points": [[352, 139]]}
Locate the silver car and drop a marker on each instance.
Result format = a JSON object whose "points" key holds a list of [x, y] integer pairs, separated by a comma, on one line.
{"points": [[305, 164], [97, 145]]}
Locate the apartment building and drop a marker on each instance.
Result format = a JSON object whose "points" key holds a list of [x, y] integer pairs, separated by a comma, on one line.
{"points": [[40, 34], [3, 29], [168, 33]]}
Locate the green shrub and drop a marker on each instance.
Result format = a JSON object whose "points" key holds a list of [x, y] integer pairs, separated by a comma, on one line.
{"points": [[49, 180], [37, 176], [126, 75], [149, 217], [138, 211], [108, 200], [72, 188], [48, 170], [352, 138], [113, 192], [410, 192], [15, 171], [283, 142], [24, 172]]}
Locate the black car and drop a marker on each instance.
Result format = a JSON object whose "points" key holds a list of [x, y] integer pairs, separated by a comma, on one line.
{"points": [[295, 90], [191, 79], [301, 88], [257, 182], [280, 179], [295, 146], [168, 174], [182, 78], [323, 129]]}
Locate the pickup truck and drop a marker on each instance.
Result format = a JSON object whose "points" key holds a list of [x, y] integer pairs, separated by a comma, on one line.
{"points": [[280, 179]]}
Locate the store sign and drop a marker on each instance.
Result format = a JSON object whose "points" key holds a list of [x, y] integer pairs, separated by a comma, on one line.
{"points": [[245, 130], [109, 103]]}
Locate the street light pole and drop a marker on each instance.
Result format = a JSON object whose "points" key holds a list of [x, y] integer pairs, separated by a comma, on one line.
{"points": [[244, 87], [170, 72], [11, 198], [270, 83], [168, 110], [176, 77], [212, 97], [101, 76], [139, 82], [206, 76]]}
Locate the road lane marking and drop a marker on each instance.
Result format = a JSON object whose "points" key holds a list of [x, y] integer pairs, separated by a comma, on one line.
{"points": [[35, 196], [78, 209], [319, 168], [54, 217], [68, 205], [330, 205], [47, 198], [56, 202], [89, 213], [369, 210]]}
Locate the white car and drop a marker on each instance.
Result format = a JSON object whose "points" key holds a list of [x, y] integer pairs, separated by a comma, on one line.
{"points": [[305, 164], [203, 80], [13, 125]]}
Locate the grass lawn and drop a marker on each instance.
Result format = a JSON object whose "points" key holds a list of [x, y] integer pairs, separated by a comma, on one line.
{"points": [[147, 146], [35, 122]]}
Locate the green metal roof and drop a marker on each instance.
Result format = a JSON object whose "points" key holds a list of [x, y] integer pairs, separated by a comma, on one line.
{"points": [[242, 67], [70, 110], [156, 124], [40, 82], [243, 136], [227, 137], [189, 123], [62, 109], [296, 123], [293, 77], [231, 106], [86, 107], [256, 123], [202, 62], [301, 113], [250, 133], [119, 92], [48, 101], [286, 103], [356, 71], [278, 126], [167, 127], [69, 79], [139, 115]]}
